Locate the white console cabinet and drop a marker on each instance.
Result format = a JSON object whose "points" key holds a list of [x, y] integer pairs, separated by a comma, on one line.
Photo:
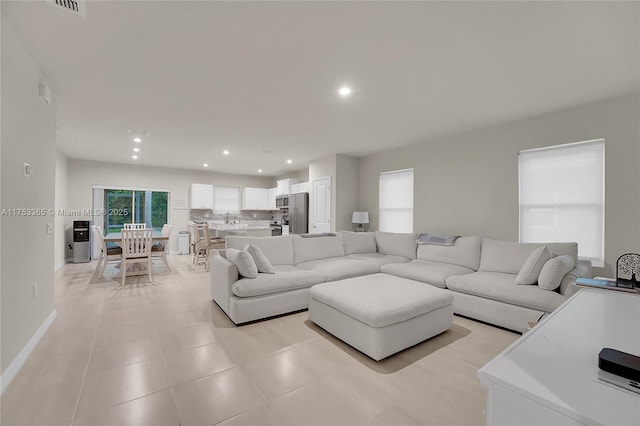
{"points": [[549, 376]]}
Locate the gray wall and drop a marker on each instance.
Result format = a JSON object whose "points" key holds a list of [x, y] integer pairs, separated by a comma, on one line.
{"points": [[346, 191], [84, 174], [61, 253], [28, 134], [468, 184]]}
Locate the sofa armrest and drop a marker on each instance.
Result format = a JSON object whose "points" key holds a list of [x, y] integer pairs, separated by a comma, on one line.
{"points": [[568, 284], [223, 274]]}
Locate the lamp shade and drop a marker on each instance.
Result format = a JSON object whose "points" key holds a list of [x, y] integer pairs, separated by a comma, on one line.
{"points": [[360, 217]]}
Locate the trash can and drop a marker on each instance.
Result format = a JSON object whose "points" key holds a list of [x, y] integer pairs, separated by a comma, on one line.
{"points": [[183, 242]]}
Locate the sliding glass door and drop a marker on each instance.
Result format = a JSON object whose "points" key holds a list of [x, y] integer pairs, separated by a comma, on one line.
{"points": [[121, 206]]}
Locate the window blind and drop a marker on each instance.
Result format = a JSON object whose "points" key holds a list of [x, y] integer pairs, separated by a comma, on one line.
{"points": [[226, 199], [562, 196], [396, 201]]}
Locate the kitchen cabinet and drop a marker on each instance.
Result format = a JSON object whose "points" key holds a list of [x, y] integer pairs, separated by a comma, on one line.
{"points": [[201, 196], [284, 186], [255, 199], [271, 198], [300, 187]]}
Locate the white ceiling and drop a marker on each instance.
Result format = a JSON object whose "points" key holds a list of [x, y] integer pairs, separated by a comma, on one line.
{"points": [[207, 76]]}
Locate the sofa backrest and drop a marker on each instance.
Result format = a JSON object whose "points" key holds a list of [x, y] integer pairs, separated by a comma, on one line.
{"points": [[399, 244], [510, 256], [315, 248], [279, 250], [465, 251], [358, 242]]}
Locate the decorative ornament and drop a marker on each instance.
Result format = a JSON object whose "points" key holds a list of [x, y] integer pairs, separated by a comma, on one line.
{"points": [[628, 269]]}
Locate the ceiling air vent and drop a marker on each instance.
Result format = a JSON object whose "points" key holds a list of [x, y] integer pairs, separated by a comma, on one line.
{"points": [[77, 7]]}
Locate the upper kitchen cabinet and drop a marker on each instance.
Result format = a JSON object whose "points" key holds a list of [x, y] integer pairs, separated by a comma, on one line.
{"points": [[226, 199], [256, 199], [271, 198], [300, 187], [201, 196], [284, 186]]}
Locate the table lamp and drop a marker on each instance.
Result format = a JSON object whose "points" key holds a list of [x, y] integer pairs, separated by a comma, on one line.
{"points": [[360, 218]]}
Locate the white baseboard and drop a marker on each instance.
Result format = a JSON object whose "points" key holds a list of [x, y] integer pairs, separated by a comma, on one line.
{"points": [[17, 363], [60, 266]]}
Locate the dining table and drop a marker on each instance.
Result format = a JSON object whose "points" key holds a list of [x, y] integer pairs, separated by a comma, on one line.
{"points": [[116, 237]]}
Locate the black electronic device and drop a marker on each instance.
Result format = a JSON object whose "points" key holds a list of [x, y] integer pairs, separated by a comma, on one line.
{"points": [[620, 363]]}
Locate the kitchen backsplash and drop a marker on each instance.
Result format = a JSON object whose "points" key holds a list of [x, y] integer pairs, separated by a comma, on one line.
{"points": [[205, 215]]}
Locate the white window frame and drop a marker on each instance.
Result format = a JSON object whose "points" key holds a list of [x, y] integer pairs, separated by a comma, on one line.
{"points": [[596, 261], [382, 210]]}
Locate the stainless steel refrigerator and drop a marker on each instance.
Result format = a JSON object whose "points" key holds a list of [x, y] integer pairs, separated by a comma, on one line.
{"points": [[299, 213]]}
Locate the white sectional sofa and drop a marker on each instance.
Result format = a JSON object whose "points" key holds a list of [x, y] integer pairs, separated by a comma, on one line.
{"points": [[479, 272]]}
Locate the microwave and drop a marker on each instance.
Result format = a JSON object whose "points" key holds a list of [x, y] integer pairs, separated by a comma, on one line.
{"points": [[282, 201]]}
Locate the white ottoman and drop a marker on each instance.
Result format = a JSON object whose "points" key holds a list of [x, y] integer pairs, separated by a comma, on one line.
{"points": [[380, 314]]}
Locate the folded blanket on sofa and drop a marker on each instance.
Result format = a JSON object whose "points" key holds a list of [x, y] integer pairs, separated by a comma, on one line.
{"points": [[323, 234], [438, 240]]}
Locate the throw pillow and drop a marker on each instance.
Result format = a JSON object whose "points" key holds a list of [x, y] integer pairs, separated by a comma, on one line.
{"points": [[260, 259], [244, 262], [531, 269], [554, 270]]}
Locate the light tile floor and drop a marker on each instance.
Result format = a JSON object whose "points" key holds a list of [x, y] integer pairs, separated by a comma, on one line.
{"points": [[163, 353]]}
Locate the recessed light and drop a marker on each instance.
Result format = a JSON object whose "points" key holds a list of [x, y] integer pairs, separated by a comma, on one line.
{"points": [[345, 91], [205, 165], [259, 170], [225, 152], [135, 157], [136, 149], [137, 140], [289, 161]]}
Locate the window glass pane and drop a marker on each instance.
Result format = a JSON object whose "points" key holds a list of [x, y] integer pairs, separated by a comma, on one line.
{"points": [[119, 206], [562, 196], [396, 201], [134, 206]]}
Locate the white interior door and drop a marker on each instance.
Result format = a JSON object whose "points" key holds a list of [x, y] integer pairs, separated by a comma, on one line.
{"points": [[321, 205]]}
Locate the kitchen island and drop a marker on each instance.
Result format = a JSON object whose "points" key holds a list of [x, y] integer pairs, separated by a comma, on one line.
{"points": [[240, 229]]}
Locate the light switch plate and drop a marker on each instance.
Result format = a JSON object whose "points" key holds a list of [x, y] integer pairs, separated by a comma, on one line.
{"points": [[27, 169]]}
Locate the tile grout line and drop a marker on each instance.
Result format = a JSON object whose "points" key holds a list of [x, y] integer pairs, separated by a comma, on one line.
{"points": [[86, 370]]}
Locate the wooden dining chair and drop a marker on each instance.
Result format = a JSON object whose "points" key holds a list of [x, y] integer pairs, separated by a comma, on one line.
{"points": [[134, 226], [136, 248], [159, 249], [210, 243], [197, 243], [107, 254]]}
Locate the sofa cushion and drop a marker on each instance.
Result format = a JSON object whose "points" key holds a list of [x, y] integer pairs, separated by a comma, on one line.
{"points": [[554, 270], [285, 278], [465, 251], [358, 242], [279, 250], [398, 244], [500, 286], [380, 300], [261, 260], [510, 256], [532, 267], [379, 258], [561, 249], [307, 249], [433, 273], [339, 268], [244, 262]]}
